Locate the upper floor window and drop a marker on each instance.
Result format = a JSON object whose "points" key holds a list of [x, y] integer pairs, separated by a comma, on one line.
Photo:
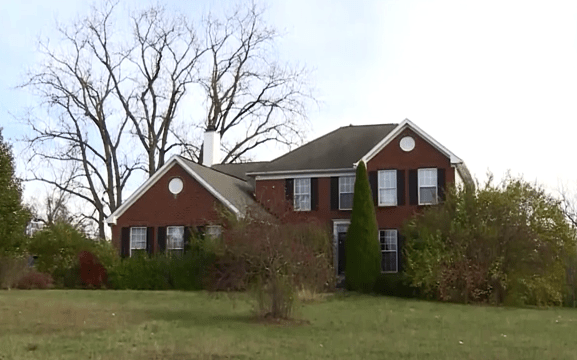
{"points": [[389, 250], [137, 240], [427, 186], [175, 239], [302, 194], [387, 188], [346, 192]]}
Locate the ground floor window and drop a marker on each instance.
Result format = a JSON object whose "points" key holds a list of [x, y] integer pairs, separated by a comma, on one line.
{"points": [[214, 231], [137, 240], [175, 239], [389, 250]]}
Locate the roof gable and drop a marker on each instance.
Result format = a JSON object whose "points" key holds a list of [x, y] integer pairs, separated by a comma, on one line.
{"points": [[234, 193], [393, 134]]}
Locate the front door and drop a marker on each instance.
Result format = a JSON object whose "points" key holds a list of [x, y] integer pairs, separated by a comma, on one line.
{"points": [[340, 228], [341, 252]]}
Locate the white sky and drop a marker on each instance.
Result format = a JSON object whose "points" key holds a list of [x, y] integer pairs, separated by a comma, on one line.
{"points": [[493, 81]]}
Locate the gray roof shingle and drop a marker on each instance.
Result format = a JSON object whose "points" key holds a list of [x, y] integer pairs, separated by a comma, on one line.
{"points": [[339, 149]]}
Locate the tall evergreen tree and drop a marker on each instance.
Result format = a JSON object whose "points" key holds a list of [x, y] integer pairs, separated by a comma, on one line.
{"points": [[13, 215], [363, 255]]}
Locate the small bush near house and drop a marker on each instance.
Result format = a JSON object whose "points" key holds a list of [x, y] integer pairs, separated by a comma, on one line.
{"points": [[508, 243], [35, 280], [12, 268], [363, 253], [273, 260]]}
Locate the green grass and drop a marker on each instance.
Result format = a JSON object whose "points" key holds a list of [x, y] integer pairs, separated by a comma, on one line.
{"points": [[60, 324]]}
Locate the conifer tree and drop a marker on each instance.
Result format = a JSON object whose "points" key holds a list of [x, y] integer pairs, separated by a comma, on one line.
{"points": [[363, 255]]}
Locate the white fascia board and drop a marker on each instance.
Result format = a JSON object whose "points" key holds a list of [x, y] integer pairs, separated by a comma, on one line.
{"points": [[296, 174], [402, 126], [175, 159], [209, 187]]}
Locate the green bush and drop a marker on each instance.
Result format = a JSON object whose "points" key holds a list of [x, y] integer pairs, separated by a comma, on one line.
{"points": [[395, 285], [12, 268], [498, 244], [363, 254]]}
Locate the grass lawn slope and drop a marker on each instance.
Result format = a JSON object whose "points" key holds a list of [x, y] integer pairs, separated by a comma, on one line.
{"points": [[195, 325]]}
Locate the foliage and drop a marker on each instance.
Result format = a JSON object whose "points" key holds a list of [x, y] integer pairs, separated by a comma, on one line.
{"points": [[35, 280], [273, 259], [162, 271], [13, 215], [362, 249], [56, 248], [501, 244], [12, 268]]}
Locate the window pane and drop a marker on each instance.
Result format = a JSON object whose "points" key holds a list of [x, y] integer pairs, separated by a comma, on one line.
{"points": [[175, 237], [387, 187], [214, 231], [388, 197], [302, 202], [302, 198], [138, 238], [346, 201], [389, 261], [428, 195], [427, 177]]}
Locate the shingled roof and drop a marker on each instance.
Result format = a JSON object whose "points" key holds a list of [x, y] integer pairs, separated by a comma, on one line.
{"points": [[339, 149]]}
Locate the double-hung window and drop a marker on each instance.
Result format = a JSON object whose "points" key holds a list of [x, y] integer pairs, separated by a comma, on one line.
{"points": [[346, 192], [137, 240], [175, 239], [302, 194], [387, 188], [427, 186], [389, 250]]}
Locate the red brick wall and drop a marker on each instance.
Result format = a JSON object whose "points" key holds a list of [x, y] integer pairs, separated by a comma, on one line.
{"points": [[272, 192], [159, 207]]}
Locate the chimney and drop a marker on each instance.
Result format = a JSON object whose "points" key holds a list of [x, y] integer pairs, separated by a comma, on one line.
{"points": [[211, 148]]}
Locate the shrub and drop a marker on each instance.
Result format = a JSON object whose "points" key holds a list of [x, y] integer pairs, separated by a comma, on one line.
{"points": [[500, 244], [362, 249], [35, 280], [12, 268], [272, 259]]}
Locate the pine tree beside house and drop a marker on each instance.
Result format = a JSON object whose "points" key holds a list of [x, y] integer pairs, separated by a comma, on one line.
{"points": [[363, 255]]}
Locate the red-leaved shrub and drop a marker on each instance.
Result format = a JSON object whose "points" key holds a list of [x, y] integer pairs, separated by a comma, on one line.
{"points": [[92, 273], [35, 280]]}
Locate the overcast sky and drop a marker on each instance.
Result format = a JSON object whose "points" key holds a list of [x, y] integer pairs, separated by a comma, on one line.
{"points": [[493, 81]]}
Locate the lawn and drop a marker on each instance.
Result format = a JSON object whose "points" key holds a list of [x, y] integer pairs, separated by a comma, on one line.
{"points": [[61, 324]]}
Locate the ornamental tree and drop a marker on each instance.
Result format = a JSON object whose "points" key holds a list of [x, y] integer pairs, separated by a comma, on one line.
{"points": [[362, 249]]}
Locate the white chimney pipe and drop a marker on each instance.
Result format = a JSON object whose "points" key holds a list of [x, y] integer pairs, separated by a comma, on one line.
{"points": [[211, 150]]}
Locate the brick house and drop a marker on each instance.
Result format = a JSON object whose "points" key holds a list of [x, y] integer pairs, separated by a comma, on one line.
{"points": [[407, 169]]}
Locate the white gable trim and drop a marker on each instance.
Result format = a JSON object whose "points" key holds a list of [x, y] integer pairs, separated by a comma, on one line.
{"points": [[402, 126], [175, 159]]}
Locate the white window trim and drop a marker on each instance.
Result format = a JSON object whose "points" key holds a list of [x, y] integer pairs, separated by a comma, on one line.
{"points": [[130, 240], [436, 201], [395, 251], [353, 192], [167, 238], [379, 188], [295, 194]]}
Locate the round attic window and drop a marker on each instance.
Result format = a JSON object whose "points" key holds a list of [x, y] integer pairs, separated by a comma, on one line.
{"points": [[175, 186], [407, 143]]}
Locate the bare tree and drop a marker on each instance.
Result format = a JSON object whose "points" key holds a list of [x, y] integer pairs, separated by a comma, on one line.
{"points": [[113, 93], [568, 204], [252, 98]]}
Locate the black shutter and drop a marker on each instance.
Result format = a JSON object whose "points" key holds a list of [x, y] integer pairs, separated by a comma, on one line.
{"points": [[441, 184], [400, 187], [186, 240], [162, 239], [334, 193], [413, 187], [289, 190], [149, 240], [125, 242], [374, 181], [400, 245], [314, 193]]}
